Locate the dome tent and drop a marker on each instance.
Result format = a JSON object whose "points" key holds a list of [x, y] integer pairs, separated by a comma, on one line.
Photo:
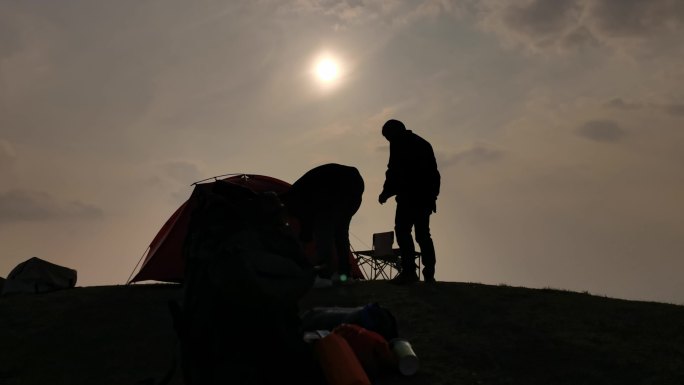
{"points": [[38, 276], [164, 259]]}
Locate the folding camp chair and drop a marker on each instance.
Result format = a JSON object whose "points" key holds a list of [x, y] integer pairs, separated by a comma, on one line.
{"points": [[383, 261]]}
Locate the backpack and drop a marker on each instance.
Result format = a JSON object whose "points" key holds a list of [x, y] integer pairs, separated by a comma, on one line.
{"points": [[238, 319]]}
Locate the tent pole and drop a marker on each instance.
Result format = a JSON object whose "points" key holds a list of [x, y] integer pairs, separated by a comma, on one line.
{"points": [[216, 177], [128, 281]]}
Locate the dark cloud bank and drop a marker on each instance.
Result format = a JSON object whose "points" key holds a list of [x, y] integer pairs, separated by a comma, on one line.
{"points": [[22, 205], [605, 131]]}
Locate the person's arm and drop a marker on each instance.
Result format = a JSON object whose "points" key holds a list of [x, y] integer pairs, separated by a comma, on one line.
{"points": [[389, 188], [435, 177]]}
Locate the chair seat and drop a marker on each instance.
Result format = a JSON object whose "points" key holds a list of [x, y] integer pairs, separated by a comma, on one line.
{"points": [[384, 266], [394, 257]]}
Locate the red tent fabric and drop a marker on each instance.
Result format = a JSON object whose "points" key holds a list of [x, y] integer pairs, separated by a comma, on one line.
{"points": [[164, 259]]}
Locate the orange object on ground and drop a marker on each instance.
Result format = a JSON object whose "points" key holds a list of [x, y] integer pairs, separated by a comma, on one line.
{"points": [[371, 348], [338, 361]]}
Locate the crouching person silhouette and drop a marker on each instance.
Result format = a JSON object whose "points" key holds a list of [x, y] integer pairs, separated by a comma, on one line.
{"points": [[324, 200]]}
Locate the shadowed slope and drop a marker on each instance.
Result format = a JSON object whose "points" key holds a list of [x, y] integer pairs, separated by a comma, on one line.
{"points": [[463, 334]]}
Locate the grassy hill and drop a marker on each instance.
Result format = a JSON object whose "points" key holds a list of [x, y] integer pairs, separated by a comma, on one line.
{"points": [[463, 334]]}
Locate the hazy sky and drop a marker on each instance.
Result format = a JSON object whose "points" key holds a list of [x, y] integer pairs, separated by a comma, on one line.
{"points": [[558, 125]]}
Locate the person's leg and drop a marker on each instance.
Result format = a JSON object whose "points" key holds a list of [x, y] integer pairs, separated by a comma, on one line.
{"points": [[342, 245], [427, 248], [348, 205], [403, 223], [324, 238]]}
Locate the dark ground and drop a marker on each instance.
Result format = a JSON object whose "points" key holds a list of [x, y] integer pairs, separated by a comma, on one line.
{"points": [[463, 334]]}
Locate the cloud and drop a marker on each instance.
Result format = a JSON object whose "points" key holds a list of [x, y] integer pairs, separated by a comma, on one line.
{"points": [[620, 104], [7, 155], [181, 171], [348, 13], [24, 54], [605, 131], [88, 83], [635, 18], [563, 25], [476, 154], [536, 24], [675, 109], [174, 178], [344, 12], [541, 18], [22, 205], [8, 19]]}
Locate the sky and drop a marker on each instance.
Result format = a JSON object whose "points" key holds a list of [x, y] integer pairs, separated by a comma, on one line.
{"points": [[558, 126]]}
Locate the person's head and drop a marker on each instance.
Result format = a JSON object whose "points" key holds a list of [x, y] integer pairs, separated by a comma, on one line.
{"points": [[392, 128]]}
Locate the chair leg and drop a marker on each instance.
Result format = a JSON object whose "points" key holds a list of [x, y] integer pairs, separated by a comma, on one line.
{"points": [[420, 262]]}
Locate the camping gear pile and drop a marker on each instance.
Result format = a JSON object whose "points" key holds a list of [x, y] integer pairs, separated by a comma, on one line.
{"points": [[238, 320], [355, 345]]}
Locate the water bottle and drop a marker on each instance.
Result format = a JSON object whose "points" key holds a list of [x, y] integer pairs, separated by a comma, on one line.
{"points": [[406, 358]]}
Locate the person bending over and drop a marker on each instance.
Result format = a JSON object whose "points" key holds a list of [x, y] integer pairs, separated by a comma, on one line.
{"points": [[324, 200]]}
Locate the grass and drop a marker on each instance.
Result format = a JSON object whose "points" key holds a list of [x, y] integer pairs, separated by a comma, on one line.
{"points": [[463, 333]]}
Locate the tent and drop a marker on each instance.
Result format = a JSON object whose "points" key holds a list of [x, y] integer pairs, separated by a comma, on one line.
{"points": [[164, 261], [38, 276], [164, 258]]}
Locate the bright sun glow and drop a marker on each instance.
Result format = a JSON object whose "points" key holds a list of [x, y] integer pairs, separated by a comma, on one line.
{"points": [[327, 70]]}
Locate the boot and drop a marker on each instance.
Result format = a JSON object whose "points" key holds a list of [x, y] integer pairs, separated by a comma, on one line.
{"points": [[405, 278], [429, 275]]}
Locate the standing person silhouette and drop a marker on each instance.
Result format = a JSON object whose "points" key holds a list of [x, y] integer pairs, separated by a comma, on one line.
{"points": [[412, 177], [324, 200]]}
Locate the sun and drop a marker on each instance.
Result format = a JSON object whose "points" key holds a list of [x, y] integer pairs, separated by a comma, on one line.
{"points": [[327, 70]]}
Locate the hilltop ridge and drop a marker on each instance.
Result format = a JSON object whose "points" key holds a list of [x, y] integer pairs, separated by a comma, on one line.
{"points": [[463, 333]]}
